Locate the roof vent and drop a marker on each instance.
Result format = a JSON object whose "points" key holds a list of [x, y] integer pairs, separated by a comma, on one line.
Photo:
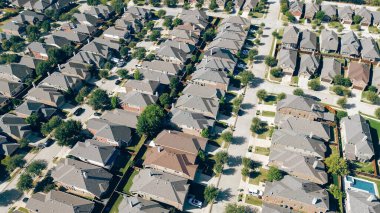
{"points": [[85, 174], [315, 201]]}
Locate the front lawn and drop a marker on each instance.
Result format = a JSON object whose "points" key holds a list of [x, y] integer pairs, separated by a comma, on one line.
{"points": [[128, 185], [115, 207], [258, 176], [262, 150], [253, 200], [268, 133], [268, 113], [271, 99]]}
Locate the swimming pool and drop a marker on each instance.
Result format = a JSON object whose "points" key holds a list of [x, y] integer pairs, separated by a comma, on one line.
{"points": [[362, 185]]}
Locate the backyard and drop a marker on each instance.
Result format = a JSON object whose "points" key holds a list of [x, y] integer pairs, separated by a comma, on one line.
{"points": [[258, 176], [262, 150]]}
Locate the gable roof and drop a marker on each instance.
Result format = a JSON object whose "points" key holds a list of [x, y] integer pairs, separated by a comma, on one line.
{"points": [[365, 14], [203, 91], [287, 58], [211, 76], [309, 64], [76, 69], [162, 66], [109, 130], [308, 40], [196, 17], [15, 72], [216, 64], [345, 13], [329, 9], [311, 9], [358, 201], [204, 105], [291, 35], [305, 127], [136, 204], [30, 61], [369, 48], [121, 117], [14, 126], [89, 58], [144, 86], [44, 93], [350, 43], [7, 148], [190, 119], [61, 82], [302, 104], [358, 72], [138, 99], [330, 68], [329, 40]]}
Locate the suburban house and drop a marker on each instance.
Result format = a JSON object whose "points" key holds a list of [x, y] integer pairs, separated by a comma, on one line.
{"points": [[330, 68], [190, 122], [366, 16], [250, 5], [269, 208], [29, 17], [87, 19], [287, 60], [29, 107], [145, 86], [105, 48], [95, 152], [75, 37], [298, 194], [135, 204], [311, 9], [329, 41], [359, 75], [162, 67], [47, 95], [357, 201], [81, 178], [296, 9], [291, 37], [219, 56], [203, 91], [370, 50], [13, 28], [376, 78], [237, 20], [39, 50], [330, 11], [89, 58], [62, 82], [309, 66], [186, 33], [350, 44], [14, 126], [356, 139], [195, 17], [57, 41], [175, 52], [139, 13], [77, 70], [210, 78], [206, 106], [79, 28], [7, 148], [29, 62], [121, 117], [346, 15], [15, 72], [376, 18], [58, 201], [302, 126], [239, 4], [116, 34], [136, 101], [160, 186], [101, 11], [10, 88], [308, 41], [108, 132], [231, 45]]}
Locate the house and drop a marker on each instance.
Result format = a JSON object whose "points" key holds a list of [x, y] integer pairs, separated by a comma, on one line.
{"points": [[370, 50], [29, 17], [160, 186], [136, 101], [287, 60], [330, 68], [7, 148], [175, 52], [29, 62], [195, 17], [231, 45], [376, 78], [297, 165], [29, 107], [203, 91], [356, 139], [88, 30], [86, 19], [225, 33], [77, 70], [236, 20], [135, 204], [105, 48], [58, 201], [250, 5], [139, 13], [271, 208], [206, 106], [359, 75], [144, 86], [81, 178], [62, 82], [95, 152], [297, 194], [221, 56], [330, 11], [14, 126], [13, 28], [162, 67], [358, 201], [216, 64], [366, 16], [329, 41], [10, 88], [350, 44], [376, 18], [160, 77], [186, 33], [210, 78], [46, 95], [39, 50], [308, 41], [290, 37], [108, 132], [309, 66], [345, 14], [15, 72], [296, 9], [121, 117], [190, 122], [101, 11], [74, 37], [311, 9], [239, 4], [89, 58], [302, 126], [129, 22], [116, 34]]}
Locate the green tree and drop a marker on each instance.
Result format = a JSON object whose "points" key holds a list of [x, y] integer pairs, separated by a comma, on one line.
{"points": [[199, 4], [213, 5], [202, 156], [270, 61], [372, 97], [340, 80], [274, 174], [227, 136], [339, 90], [336, 165], [228, 7], [24, 143], [36, 167], [34, 120], [114, 102], [177, 21], [165, 100], [252, 54], [68, 133], [281, 96], [377, 113], [155, 35], [137, 75], [43, 68], [209, 35], [245, 172], [123, 73], [205, 133], [276, 72], [83, 92], [32, 33], [150, 57], [155, 3], [118, 6], [234, 208], [221, 157], [247, 162], [342, 102], [151, 120], [335, 191], [124, 51], [104, 74], [139, 53], [341, 114], [246, 77], [357, 19], [11, 163], [314, 84], [210, 193], [320, 15], [46, 26], [171, 3], [49, 126], [218, 168], [174, 85], [298, 92], [168, 22], [161, 13], [262, 94], [257, 126], [99, 99], [93, 2], [25, 182]]}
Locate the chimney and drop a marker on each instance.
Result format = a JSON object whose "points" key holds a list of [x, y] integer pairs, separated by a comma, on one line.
{"points": [[156, 94], [59, 67], [169, 131], [315, 201], [34, 85], [179, 45], [311, 135], [371, 198], [73, 52], [88, 40], [48, 73], [198, 17], [364, 138], [84, 174], [172, 105], [159, 149]]}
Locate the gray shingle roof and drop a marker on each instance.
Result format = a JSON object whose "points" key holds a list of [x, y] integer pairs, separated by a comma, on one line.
{"points": [[71, 36], [39, 47], [162, 66], [160, 77], [329, 40], [306, 127], [350, 44], [296, 6], [302, 104], [76, 69], [329, 9], [291, 35], [29, 61], [136, 205], [9, 88], [308, 40], [138, 99], [330, 68], [196, 17], [144, 86], [121, 117], [216, 64], [46, 94], [100, 10], [61, 82], [361, 202], [14, 126], [109, 130], [309, 65], [221, 54], [190, 119], [244, 22], [28, 107], [370, 49], [287, 58], [7, 148], [209, 75], [203, 91], [311, 9], [365, 14], [345, 13], [89, 58], [15, 72], [206, 106], [57, 41], [86, 19], [102, 47]]}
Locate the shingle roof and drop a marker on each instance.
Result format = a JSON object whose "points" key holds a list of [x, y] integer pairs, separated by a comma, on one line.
{"points": [[15, 72], [216, 64], [308, 40], [291, 35], [345, 13], [301, 103], [329, 9], [358, 73], [138, 99], [221, 54], [211, 76], [28, 107], [144, 86], [350, 43], [358, 201], [76, 69], [306, 127], [121, 117], [14, 126], [287, 58], [44, 93], [139, 205], [162, 66], [85, 17], [329, 40], [370, 49], [203, 91], [29, 61], [309, 65], [197, 17], [198, 104], [109, 130], [311, 9], [162, 78], [190, 119], [89, 58], [330, 68], [61, 82]]}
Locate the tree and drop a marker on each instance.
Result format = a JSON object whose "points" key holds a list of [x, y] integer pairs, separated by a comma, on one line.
{"points": [[276, 72], [205, 133], [151, 120], [270, 61], [281, 96], [336, 165], [46, 26], [150, 57], [209, 35], [246, 77], [341, 114], [377, 113], [99, 99], [210, 193], [245, 172], [340, 80], [57, 56], [68, 133], [335, 191], [114, 102], [139, 53], [83, 92], [34, 120], [32, 33], [298, 92], [342, 102], [227, 136], [221, 157], [247, 162], [218, 168], [165, 100], [35, 168], [93, 2], [320, 15], [252, 54], [262, 94], [137, 75], [199, 4], [104, 74], [123, 73], [48, 127], [274, 174], [177, 21], [372, 97], [168, 22], [24, 143], [174, 84], [124, 51], [11, 163], [155, 35], [234, 208], [228, 7], [25, 182], [314, 84], [357, 19], [202, 156], [213, 5], [257, 126], [118, 6], [43, 68], [339, 90], [161, 13], [171, 3], [155, 3]]}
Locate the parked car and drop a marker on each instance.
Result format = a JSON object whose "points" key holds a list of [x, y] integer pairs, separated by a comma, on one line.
{"points": [[121, 63], [117, 82], [194, 202], [97, 114], [78, 111]]}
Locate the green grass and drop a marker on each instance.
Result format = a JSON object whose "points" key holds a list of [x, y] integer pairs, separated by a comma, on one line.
{"points": [[262, 150], [366, 167], [128, 185], [268, 113], [294, 80], [268, 133], [253, 200], [115, 207], [22, 209], [373, 29], [258, 176], [257, 15], [335, 24]]}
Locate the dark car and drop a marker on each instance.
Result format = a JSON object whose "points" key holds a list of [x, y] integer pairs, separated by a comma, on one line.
{"points": [[78, 111], [117, 82], [97, 114]]}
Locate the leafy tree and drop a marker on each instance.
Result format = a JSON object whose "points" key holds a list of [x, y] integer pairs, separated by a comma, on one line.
{"points": [[210, 193], [199, 4], [257, 126], [186, 5], [123, 73], [24, 143], [45, 185], [221, 157], [357, 19], [68, 133], [205, 133], [114, 102], [202, 156], [213, 5], [137, 75], [270, 61], [168, 22], [281, 96], [83, 92], [48, 127], [335, 191], [46, 26], [246, 77], [336, 165], [340, 80], [11, 163], [377, 113], [99, 99], [227, 136], [276, 72], [151, 120], [171, 3], [32, 33], [150, 57], [124, 51], [234, 208], [93, 2], [320, 15], [247, 162], [274, 174], [104, 74], [161, 13], [245, 172], [165, 100], [35, 168], [58, 56], [218, 168], [209, 35], [298, 92], [372, 97], [155, 3], [9, 58], [341, 114], [34, 120], [177, 21], [228, 7], [262, 94], [155, 35], [139, 53], [339, 90], [314, 84], [174, 85], [118, 6], [252, 54], [342, 102], [43, 68], [25, 182]]}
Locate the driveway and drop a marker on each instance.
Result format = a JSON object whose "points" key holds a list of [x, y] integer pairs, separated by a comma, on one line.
{"points": [[302, 82]]}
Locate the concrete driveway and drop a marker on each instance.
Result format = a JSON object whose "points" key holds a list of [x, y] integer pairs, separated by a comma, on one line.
{"points": [[303, 81]]}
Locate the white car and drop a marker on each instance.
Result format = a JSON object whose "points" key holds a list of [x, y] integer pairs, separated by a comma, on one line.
{"points": [[195, 202]]}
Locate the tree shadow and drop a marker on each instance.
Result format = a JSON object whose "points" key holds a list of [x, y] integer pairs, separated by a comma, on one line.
{"points": [[246, 106], [234, 161], [9, 196], [238, 140], [224, 195], [229, 171]]}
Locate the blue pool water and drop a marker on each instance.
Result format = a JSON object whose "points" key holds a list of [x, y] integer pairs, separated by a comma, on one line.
{"points": [[363, 185]]}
